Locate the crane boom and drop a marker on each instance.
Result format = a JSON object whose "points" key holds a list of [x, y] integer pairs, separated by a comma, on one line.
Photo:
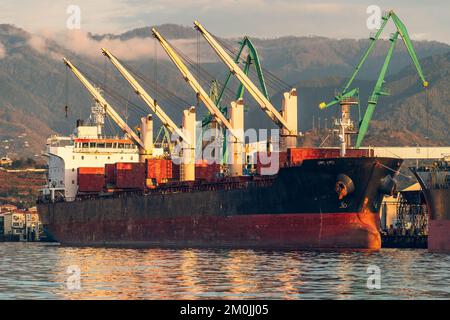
{"points": [[152, 103], [401, 29], [403, 32], [108, 109], [252, 58], [190, 79], [265, 104]]}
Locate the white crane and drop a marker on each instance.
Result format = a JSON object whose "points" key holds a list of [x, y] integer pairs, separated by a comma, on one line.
{"points": [[107, 107], [151, 103], [287, 119], [190, 79]]}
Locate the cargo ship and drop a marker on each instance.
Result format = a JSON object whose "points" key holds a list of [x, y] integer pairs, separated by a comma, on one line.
{"points": [[317, 199], [435, 183]]}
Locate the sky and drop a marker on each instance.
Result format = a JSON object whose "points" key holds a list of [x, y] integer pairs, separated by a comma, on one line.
{"points": [[426, 20]]}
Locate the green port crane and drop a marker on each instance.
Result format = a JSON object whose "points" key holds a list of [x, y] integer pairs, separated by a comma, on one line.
{"points": [[379, 90], [252, 59]]}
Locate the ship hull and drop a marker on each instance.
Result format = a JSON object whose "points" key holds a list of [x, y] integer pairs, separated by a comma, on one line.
{"points": [[439, 223], [298, 209], [439, 235]]}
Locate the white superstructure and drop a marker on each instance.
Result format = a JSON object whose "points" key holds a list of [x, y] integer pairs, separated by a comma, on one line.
{"points": [[87, 147], [67, 154]]}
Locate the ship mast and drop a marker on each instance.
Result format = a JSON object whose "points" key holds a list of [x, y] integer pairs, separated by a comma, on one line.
{"points": [[98, 114]]}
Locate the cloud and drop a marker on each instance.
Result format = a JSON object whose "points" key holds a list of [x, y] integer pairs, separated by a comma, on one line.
{"points": [[2, 51], [261, 18], [82, 44], [38, 43]]}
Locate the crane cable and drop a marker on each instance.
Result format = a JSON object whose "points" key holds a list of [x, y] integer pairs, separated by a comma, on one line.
{"points": [[273, 79], [427, 107], [198, 66], [66, 89], [156, 71], [161, 91], [203, 75]]}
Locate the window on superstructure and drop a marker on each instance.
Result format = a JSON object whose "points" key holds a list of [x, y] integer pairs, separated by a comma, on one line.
{"points": [[92, 145], [109, 145], [121, 145], [100, 145], [82, 157], [85, 145]]}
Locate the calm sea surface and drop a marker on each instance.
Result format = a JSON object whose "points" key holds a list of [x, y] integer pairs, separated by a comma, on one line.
{"points": [[40, 271]]}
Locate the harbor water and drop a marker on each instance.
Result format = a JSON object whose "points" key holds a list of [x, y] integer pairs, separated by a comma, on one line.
{"points": [[49, 271]]}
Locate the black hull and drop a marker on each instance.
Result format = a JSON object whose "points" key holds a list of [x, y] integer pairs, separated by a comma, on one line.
{"points": [[438, 202]]}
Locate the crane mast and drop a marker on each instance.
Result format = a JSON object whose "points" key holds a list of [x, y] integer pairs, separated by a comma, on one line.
{"points": [[262, 100], [108, 109], [190, 79], [151, 103]]}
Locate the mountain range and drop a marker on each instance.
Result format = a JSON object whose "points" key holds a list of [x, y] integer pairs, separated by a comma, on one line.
{"points": [[35, 86]]}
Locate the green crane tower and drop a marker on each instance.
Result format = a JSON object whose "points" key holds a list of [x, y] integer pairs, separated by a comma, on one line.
{"points": [[379, 90]]}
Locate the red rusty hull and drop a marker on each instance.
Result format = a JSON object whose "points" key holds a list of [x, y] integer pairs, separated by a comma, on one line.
{"points": [[289, 231], [439, 235], [299, 208]]}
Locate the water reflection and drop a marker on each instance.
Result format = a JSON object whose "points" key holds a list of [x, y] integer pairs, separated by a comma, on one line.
{"points": [[36, 271]]}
